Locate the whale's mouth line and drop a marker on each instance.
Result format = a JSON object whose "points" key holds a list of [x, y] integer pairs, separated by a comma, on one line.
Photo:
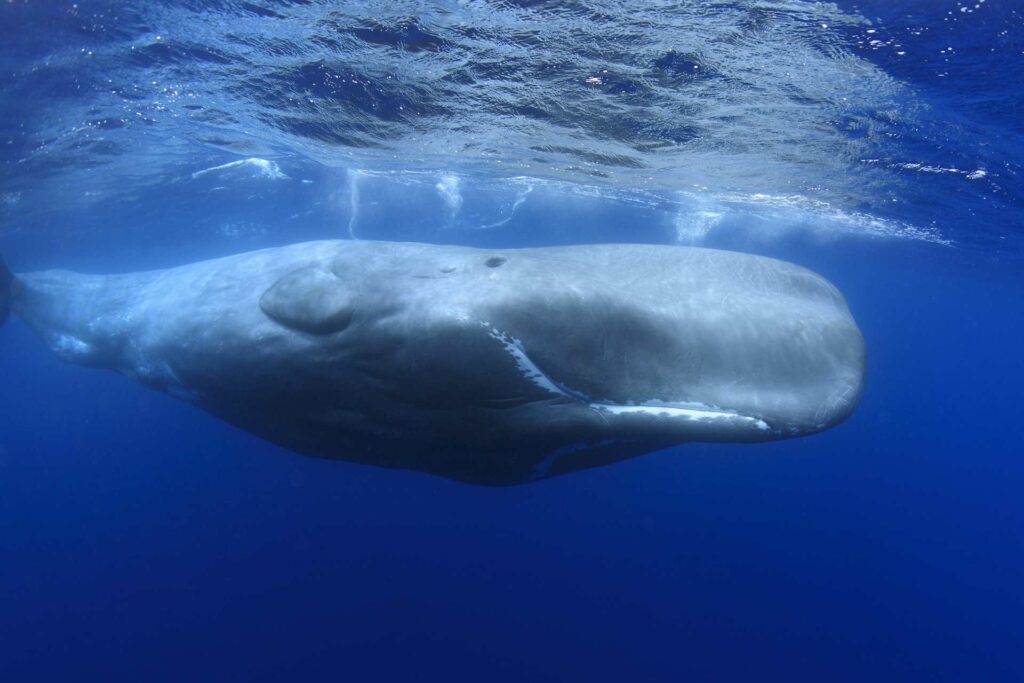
{"points": [[692, 411]]}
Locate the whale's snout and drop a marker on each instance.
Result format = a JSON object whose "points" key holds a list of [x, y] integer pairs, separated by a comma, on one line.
{"points": [[739, 368]]}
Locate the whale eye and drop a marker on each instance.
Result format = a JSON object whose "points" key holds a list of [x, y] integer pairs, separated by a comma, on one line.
{"points": [[495, 261]]}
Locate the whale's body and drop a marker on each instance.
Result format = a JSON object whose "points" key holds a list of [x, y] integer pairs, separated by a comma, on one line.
{"points": [[494, 367]]}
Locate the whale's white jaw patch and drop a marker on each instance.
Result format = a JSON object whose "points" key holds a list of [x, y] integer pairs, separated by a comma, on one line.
{"points": [[697, 412], [689, 411]]}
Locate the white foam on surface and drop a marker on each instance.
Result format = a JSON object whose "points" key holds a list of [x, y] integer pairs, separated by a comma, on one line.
{"points": [[773, 215], [264, 168]]}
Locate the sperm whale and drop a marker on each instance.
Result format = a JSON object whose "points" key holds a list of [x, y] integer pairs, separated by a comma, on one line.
{"points": [[487, 366]]}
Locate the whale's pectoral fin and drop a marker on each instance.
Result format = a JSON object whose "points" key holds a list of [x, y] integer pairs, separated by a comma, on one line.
{"points": [[310, 299], [7, 283]]}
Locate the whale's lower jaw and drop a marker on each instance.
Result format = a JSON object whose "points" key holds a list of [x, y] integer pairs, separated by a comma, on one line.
{"points": [[691, 412], [687, 411]]}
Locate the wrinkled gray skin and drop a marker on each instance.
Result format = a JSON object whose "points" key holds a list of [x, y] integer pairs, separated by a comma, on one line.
{"points": [[492, 367]]}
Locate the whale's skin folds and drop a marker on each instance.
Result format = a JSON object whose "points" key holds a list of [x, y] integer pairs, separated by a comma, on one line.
{"points": [[487, 366]]}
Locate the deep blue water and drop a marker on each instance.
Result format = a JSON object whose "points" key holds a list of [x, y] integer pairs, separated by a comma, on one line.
{"points": [[879, 143]]}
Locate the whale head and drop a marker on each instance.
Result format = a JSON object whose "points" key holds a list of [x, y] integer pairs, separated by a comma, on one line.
{"points": [[776, 356], [599, 352]]}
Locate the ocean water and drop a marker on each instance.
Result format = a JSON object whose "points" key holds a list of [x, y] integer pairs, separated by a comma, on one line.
{"points": [[879, 143]]}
